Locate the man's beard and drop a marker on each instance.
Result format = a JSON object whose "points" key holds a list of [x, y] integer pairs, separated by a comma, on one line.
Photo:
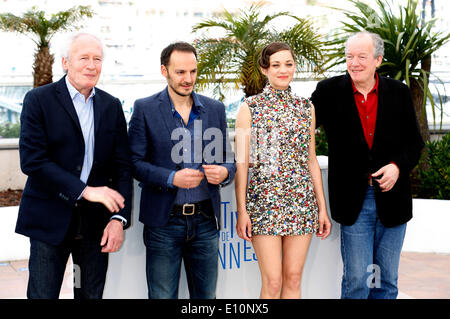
{"points": [[178, 92], [169, 80]]}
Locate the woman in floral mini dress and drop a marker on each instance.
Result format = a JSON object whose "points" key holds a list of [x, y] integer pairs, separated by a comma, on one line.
{"points": [[282, 203]]}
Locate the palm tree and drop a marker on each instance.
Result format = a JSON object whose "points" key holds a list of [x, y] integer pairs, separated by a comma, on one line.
{"points": [[409, 45], [232, 59], [34, 24]]}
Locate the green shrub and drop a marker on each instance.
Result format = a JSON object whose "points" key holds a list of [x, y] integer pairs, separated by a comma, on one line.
{"points": [[231, 123], [9, 130], [434, 181], [321, 142]]}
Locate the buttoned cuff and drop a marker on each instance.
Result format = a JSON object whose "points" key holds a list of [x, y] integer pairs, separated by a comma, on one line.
{"points": [[122, 219], [227, 180], [81, 195], [170, 179]]}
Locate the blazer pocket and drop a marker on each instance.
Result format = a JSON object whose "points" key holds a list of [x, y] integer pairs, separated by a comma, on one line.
{"points": [[156, 189], [36, 193], [151, 188]]}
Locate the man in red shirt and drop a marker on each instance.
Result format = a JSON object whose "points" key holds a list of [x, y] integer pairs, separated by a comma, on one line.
{"points": [[374, 142]]}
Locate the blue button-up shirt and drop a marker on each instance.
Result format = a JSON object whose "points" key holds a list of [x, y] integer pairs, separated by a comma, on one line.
{"points": [[201, 192], [85, 112]]}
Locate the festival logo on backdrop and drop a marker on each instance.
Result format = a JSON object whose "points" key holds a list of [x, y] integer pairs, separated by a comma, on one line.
{"points": [[233, 251]]}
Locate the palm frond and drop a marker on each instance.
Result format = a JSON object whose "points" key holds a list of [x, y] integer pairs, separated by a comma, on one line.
{"points": [[40, 29], [409, 41], [306, 43], [35, 24], [233, 57]]}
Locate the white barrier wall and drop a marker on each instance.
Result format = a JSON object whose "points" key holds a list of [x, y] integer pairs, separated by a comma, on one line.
{"points": [[13, 246], [239, 275], [238, 271], [427, 231], [10, 174]]}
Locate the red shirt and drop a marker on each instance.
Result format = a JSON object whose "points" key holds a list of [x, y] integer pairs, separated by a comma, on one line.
{"points": [[367, 109]]}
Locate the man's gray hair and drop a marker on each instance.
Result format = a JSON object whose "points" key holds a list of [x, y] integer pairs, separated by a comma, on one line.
{"points": [[378, 43], [67, 44]]}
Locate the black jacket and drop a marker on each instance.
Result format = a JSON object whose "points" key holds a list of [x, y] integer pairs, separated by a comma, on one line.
{"points": [[350, 161], [51, 149]]}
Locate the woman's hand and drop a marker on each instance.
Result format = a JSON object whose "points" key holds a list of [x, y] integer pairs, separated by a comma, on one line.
{"points": [[244, 226], [324, 225]]}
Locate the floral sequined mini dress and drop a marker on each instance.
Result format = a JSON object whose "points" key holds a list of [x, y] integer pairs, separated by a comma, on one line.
{"points": [[280, 197]]}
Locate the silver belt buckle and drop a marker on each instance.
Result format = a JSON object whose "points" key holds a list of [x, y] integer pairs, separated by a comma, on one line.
{"points": [[188, 205]]}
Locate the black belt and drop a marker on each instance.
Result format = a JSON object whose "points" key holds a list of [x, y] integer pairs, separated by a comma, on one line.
{"points": [[188, 209], [373, 181]]}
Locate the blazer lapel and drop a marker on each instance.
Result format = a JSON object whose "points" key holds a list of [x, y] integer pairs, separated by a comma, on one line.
{"points": [[66, 102], [98, 106], [353, 114], [166, 113], [205, 123], [380, 108]]}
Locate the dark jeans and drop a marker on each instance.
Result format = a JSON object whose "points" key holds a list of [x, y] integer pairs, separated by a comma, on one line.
{"points": [[192, 239], [47, 265]]}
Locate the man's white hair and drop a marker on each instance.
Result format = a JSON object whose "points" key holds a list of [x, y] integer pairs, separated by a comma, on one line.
{"points": [[378, 43], [67, 44]]}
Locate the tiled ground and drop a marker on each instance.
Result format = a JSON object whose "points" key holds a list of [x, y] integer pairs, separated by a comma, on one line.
{"points": [[14, 279], [424, 276], [421, 276]]}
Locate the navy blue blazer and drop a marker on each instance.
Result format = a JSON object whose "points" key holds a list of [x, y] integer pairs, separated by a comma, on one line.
{"points": [[150, 130], [51, 147]]}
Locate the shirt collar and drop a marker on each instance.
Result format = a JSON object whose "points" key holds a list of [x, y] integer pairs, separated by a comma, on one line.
{"points": [[196, 105], [73, 91], [374, 89]]}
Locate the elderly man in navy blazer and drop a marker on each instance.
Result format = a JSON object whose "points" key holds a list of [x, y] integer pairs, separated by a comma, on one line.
{"points": [[373, 144], [181, 156], [77, 198]]}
